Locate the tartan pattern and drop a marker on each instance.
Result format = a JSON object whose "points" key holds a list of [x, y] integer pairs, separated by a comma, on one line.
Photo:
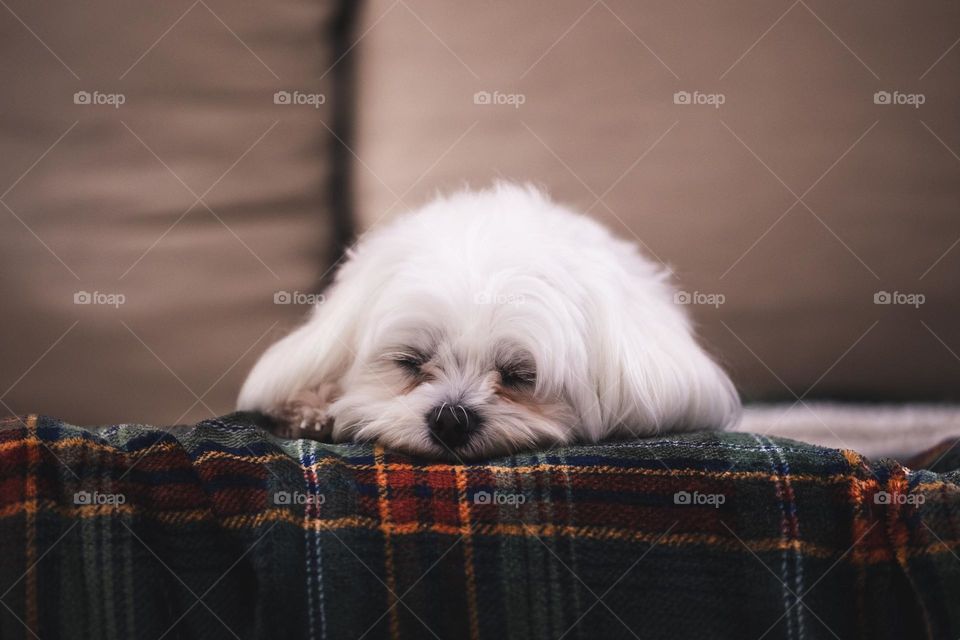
{"points": [[222, 530]]}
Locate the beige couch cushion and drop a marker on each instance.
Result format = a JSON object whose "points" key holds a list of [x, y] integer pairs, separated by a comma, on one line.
{"points": [[797, 199], [196, 198]]}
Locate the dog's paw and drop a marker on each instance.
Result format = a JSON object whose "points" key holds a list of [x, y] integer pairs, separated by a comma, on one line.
{"points": [[305, 415]]}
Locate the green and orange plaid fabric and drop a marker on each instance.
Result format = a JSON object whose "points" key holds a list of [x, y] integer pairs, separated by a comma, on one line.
{"points": [[221, 530]]}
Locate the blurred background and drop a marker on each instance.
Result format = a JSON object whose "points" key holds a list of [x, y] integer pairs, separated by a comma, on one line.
{"points": [[178, 179]]}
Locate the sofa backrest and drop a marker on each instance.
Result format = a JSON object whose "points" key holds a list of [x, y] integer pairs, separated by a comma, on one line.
{"points": [[166, 171], [797, 165]]}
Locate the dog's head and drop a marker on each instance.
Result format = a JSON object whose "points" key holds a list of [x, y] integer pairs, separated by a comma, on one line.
{"points": [[495, 321]]}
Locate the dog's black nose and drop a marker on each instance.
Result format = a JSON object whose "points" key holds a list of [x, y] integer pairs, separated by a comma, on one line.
{"points": [[451, 425]]}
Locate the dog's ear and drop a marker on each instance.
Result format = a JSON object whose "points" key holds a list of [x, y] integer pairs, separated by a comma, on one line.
{"points": [[314, 355], [654, 376]]}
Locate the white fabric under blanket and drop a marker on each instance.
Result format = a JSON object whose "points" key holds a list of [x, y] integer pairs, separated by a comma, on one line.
{"points": [[875, 430]]}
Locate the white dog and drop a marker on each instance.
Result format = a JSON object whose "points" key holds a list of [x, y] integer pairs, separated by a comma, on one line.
{"points": [[488, 322]]}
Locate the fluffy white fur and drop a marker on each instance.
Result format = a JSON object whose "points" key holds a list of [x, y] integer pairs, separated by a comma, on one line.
{"points": [[475, 282]]}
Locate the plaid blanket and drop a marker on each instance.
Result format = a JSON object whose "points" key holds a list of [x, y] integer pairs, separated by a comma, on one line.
{"points": [[221, 530]]}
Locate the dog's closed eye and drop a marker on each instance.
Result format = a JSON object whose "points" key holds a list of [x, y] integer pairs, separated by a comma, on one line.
{"points": [[410, 361], [518, 375]]}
